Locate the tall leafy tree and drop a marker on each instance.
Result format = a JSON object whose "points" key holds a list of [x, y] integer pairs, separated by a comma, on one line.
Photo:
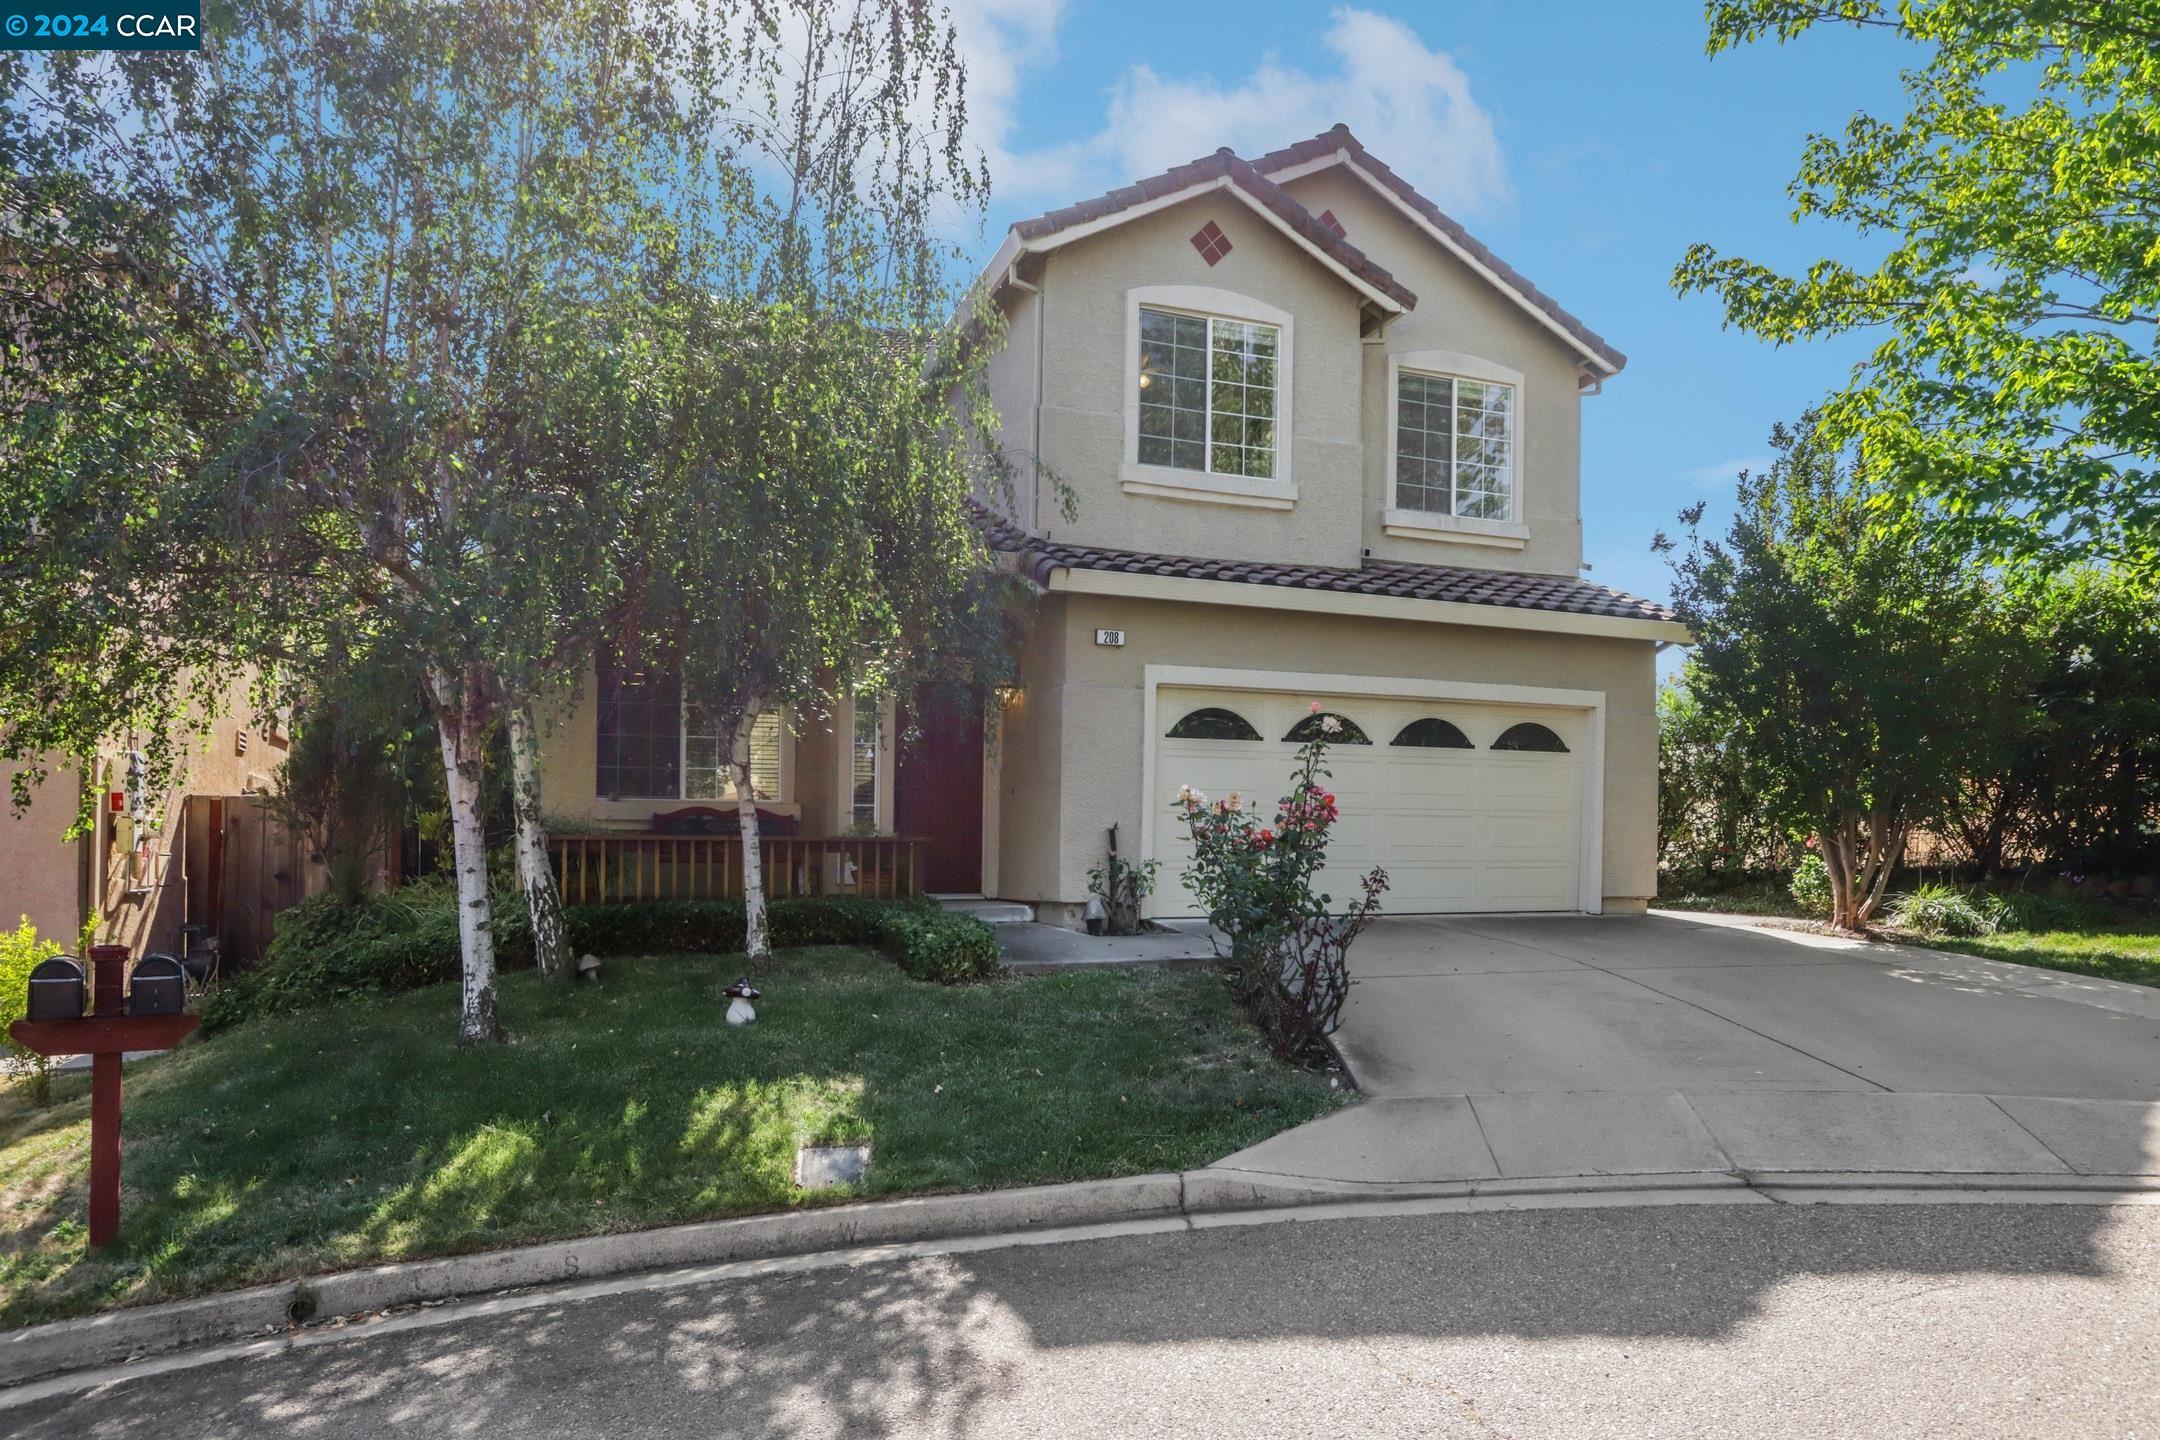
{"points": [[1862, 664], [420, 224], [118, 376], [2013, 217], [827, 417], [2080, 783]]}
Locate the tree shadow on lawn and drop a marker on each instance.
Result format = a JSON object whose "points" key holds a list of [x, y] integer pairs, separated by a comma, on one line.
{"points": [[359, 1134]]}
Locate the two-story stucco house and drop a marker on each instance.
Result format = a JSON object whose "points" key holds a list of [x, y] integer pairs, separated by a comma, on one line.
{"points": [[1325, 447]]}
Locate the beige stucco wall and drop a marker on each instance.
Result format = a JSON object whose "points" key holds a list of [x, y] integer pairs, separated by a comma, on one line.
{"points": [[1084, 366], [1339, 388], [1032, 777], [1077, 740], [1011, 381], [1458, 310]]}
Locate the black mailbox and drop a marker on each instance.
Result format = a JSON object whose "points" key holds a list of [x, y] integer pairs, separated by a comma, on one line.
{"points": [[56, 990], [158, 986]]}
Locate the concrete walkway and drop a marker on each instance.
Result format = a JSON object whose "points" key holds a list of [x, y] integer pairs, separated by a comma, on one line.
{"points": [[1035, 948], [1510, 1047]]}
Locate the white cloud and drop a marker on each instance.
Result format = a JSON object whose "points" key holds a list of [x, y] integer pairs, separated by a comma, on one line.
{"points": [[1729, 469], [1411, 105], [1003, 43]]}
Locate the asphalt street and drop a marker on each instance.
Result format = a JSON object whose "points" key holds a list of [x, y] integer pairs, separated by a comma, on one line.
{"points": [[1727, 1320]]}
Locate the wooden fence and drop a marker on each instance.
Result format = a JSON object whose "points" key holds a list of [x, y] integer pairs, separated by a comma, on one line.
{"points": [[597, 869]]}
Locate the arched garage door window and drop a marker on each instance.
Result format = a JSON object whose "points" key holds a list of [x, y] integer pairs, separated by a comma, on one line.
{"points": [[1213, 723], [1530, 735], [1433, 733], [1314, 727]]}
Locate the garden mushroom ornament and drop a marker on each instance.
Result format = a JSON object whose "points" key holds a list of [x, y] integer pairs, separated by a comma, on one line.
{"points": [[740, 1011]]}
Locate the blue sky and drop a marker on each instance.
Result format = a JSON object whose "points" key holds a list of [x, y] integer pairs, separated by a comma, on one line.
{"points": [[1588, 144]]}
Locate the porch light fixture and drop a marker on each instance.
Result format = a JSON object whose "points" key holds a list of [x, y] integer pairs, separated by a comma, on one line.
{"points": [[1009, 695]]}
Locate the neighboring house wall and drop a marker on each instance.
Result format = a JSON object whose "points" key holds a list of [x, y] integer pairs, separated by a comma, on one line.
{"points": [[142, 890], [134, 873], [1087, 360], [1081, 716], [1458, 311], [42, 872]]}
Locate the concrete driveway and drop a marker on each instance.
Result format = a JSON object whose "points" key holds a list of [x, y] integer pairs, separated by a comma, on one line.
{"points": [[1503, 1047]]}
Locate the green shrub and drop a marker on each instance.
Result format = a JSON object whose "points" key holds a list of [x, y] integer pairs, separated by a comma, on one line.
{"points": [[933, 944], [716, 926], [329, 948], [1811, 884], [1933, 908], [21, 951]]}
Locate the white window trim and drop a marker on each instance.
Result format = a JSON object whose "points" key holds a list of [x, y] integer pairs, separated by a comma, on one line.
{"points": [[1404, 523], [1167, 482], [887, 718]]}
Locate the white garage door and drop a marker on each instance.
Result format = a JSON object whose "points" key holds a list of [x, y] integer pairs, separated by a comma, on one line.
{"points": [[1467, 806]]}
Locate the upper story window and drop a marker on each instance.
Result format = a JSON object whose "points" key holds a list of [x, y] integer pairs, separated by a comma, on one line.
{"points": [[1455, 445], [1208, 393], [654, 746]]}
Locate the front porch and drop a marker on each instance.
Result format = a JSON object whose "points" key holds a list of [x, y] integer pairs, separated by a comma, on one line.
{"points": [[600, 868], [880, 798]]}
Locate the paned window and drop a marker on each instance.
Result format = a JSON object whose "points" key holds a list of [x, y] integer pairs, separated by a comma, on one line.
{"points": [[1455, 446], [654, 746], [1207, 393]]}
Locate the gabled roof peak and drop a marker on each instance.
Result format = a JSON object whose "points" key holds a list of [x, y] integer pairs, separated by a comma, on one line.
{"points": [[1339, 144], [1257, 186], [1220, 169]]}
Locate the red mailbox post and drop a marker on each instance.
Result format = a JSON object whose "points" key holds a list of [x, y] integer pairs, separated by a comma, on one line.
{"points": [[106, 1033]]}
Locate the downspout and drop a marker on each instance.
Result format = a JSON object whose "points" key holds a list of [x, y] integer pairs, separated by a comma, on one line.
{"points": [[1012, 278]]}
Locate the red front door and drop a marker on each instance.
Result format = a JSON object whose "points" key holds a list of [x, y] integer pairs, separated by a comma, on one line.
{"points": [[938, 787]]}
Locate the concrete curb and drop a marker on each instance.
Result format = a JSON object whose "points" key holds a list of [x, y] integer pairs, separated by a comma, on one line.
{"points": [[1199, 1198], [154, 1329]]}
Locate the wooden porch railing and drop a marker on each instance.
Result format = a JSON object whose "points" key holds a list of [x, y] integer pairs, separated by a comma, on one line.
{"points": [[598, 869]]}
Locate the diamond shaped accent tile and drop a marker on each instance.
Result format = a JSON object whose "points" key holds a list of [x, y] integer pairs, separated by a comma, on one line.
{"points": [[1210, 241], [1327, 218]]}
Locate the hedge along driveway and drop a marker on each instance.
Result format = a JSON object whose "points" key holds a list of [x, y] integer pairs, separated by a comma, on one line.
{"points": [[360, 1133]]}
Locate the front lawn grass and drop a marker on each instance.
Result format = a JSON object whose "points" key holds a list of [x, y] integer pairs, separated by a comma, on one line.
{"points": [[2130, 953], [360, 1134], [2108, 942]]}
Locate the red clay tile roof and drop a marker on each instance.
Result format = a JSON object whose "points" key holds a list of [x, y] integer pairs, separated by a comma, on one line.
{"points": [[1561, 593], [1340, 138], [1241, 174]]}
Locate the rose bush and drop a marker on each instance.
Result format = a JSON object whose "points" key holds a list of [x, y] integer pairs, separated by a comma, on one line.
{"points": [[1288, 949]]}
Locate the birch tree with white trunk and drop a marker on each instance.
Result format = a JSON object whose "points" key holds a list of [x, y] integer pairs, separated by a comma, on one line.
{"points": [[423, 227], [827, 413]]}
